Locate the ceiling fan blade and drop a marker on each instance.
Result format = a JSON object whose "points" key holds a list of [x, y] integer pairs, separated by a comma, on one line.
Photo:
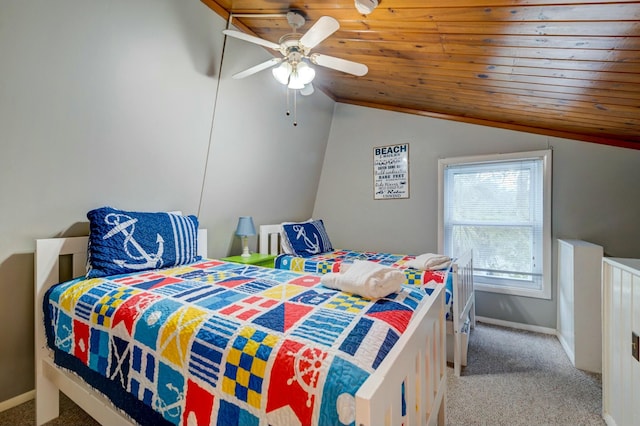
{"points": [[323, 28], [252, 39], [343, 65], [257, 68]]}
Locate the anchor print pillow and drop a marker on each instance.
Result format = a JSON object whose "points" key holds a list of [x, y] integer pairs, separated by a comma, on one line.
{"points": [[124, 241], [284, 242], [307, 238]]}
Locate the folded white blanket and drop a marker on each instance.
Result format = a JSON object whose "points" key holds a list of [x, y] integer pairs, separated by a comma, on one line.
{"points": [[367, 279], [429, 261]]}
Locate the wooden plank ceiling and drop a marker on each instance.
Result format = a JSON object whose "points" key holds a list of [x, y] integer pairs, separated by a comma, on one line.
{"points": [[564, 68]]}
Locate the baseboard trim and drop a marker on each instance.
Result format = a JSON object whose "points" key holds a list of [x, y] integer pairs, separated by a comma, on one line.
{"points": [[608, 419], [17, 400], [517, 325]]}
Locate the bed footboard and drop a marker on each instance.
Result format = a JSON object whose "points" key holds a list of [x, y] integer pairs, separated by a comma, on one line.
{"points": [[419, 367], [463, 307]]}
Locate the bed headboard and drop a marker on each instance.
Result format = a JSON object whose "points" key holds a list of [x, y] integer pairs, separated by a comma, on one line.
{"points": [[270, 239], [49, 251]]}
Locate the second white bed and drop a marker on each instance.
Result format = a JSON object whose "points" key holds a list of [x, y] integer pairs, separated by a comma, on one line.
{"points": [[462, 317]]}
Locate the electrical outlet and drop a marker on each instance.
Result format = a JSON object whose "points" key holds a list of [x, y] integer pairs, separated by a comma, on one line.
{"points": [[635, 346]]}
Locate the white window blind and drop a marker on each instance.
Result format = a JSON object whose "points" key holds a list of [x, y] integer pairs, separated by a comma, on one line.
{"points": [[496, 207]]}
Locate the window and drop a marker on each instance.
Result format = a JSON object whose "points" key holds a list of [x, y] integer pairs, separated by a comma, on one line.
{"points": [[499, 206]]}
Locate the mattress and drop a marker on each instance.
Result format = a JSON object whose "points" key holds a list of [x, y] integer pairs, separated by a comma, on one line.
{"points": [[215, 342], [330, 262]]}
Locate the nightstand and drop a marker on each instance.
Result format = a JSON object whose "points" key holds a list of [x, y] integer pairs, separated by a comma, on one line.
{"points": [[256, 259]]}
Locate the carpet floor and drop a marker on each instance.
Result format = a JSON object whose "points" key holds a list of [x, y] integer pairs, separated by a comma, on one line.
{"points": [[515, 377]]}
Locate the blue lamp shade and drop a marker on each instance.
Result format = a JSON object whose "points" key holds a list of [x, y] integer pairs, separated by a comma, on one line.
{"points": [[245, 229]]}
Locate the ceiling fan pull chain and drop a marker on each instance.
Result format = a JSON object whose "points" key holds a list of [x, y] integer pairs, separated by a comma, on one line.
{"points": [[288, 108], [295, 108]]}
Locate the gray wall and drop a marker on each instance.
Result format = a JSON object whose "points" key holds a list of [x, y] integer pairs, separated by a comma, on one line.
{"points": [[111, 103], [260, 164], [596, 196]]}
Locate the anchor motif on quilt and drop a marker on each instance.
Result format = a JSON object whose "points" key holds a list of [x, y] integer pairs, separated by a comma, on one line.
{"points": [[173, 408], [306, 369], [300, 233], [67, 339], [126, 225]]}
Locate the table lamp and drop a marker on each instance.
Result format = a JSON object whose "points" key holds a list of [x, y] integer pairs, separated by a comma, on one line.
{"points": [[244, 230]]}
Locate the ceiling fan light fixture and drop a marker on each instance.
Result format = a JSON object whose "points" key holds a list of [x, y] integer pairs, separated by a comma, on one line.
{"points": [[294, 76], [307, 90], [366, 6], [281, 73], [295, 82], [306, 74]]}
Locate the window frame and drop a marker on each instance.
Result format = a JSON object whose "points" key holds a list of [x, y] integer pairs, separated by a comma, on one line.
{"points": [[546, 157]]}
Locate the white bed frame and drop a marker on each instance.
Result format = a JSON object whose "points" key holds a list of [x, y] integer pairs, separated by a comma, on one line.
{"points": [[464, 307], [463, 312], [418, 359]]}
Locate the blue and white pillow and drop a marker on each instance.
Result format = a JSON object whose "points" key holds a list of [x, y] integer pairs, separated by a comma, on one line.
{"points": [[123, 241], [306, 238]]}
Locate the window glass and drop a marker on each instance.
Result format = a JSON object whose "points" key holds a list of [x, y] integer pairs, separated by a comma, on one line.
{"points": [[497, 206]]}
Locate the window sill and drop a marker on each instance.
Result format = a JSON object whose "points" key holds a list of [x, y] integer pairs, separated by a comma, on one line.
{"points": [[513, 291]]}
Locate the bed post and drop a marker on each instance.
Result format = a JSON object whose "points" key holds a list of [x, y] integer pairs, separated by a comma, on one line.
{"points": [[203, 243], [457, 336], [468, 273], [463, 308], [270, 239], [47, 273]]}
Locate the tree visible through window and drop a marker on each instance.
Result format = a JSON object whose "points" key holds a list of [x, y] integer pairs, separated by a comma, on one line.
{"points": [[499, 206]]}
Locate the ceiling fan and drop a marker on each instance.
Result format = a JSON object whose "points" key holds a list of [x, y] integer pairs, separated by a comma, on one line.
{"points": [[294, 69]]}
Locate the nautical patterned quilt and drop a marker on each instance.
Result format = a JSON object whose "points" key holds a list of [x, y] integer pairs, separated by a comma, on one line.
{"points": [[222, 343], [330, 262]]}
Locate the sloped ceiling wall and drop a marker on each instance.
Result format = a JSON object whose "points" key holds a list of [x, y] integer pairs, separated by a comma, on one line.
{"points": [[111, 103]]}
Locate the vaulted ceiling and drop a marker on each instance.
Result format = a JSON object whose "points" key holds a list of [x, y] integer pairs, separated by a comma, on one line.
{"points": [[562, 68]]}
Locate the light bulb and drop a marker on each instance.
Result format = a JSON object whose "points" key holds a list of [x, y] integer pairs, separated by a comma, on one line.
{"points": [[295, 82], [282, 72], [305, 73]]}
